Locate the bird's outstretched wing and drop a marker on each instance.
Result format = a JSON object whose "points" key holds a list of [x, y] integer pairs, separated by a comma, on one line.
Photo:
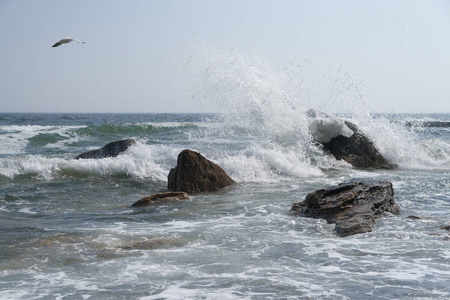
{"points": [[66, 41], [78, 41]]}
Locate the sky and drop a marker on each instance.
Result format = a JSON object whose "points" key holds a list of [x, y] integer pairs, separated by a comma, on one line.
{"points": [[136, 53]]}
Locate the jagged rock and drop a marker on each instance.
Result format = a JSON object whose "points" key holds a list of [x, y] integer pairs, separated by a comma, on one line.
{"points": [[196, 174], [109, 150], [161, 198], [357, 150], [353, 206]]}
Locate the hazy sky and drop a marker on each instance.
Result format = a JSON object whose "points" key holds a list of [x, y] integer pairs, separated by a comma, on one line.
{"points": [[399, 51]]}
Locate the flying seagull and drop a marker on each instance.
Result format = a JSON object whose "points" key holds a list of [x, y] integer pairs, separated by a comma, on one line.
{"points": [[66, 41]]}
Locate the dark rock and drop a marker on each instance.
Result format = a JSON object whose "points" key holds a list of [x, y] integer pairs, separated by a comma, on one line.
{"points": [[196, 174], [357, 150], [110, 150], [414, 218], [353, 206], [445, 227], [161, 198]]}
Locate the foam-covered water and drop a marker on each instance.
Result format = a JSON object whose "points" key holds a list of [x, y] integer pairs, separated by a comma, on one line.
{"points": [[68, 232]]}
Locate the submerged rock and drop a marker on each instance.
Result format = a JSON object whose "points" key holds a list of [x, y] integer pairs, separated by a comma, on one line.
{"points": [[445, 227], [353, 206], [161, 198], [196, 174], [109, 150], [154, 244]]}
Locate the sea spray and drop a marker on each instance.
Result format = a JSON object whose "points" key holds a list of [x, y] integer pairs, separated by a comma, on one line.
{"points": [[269, 104], [409, 148]]}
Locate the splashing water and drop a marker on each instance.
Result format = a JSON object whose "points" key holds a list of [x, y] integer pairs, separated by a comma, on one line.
{"points": [[269, 103]]}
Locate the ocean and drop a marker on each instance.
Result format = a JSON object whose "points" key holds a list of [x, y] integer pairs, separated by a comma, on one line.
{"points": [[67, 230]]}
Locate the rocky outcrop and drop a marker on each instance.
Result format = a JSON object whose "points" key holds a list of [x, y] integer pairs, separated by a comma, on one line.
{"points": [[196, 174], [357, 150], [109, 150], [161, 198], [345, 141], [353, 206]]}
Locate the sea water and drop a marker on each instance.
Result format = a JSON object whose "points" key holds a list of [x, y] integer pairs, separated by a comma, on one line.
{"points": [[67, 230]]}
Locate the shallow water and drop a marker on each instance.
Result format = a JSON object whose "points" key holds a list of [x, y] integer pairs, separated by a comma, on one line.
{"points": [[68, 232]]}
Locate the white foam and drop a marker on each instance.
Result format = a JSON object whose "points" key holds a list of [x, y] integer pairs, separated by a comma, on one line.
{"points": [[31, 164], [177, 291], [27, 210], [403, 146], [325, 126], [14, 138], [268, 163], [142, 161]]}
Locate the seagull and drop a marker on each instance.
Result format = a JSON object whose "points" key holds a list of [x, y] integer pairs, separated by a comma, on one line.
{"points": [[66, 41]]}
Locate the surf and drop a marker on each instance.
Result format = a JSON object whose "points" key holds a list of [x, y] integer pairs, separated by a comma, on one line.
{"points": [[270, 104]]}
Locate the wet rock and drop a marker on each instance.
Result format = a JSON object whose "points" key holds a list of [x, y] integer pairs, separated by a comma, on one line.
{"points": [[153, 244], [196, 174], [357, 150], [414, 218], [109, 150], [161, 198], [353, 206], [445, 227], [345, 141]]}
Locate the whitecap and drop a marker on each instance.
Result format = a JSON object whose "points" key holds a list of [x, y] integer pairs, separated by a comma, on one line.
{"points": [[15, 138]]}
